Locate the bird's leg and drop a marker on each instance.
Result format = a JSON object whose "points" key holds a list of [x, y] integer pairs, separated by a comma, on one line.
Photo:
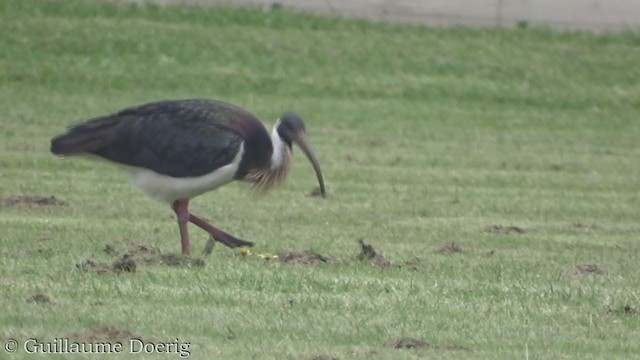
{"points": [[218, 234], [181, 208]]}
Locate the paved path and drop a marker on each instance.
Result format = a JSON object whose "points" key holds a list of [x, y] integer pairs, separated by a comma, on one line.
{"points": [[563, 14]]}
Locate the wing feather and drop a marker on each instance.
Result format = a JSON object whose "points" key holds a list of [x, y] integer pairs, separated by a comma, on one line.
{"points": [[185, 138]]}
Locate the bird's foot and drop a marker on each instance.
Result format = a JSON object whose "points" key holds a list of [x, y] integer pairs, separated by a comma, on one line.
{"points": [[234, 242], [230, 242], [218, 235], [244, 243]]}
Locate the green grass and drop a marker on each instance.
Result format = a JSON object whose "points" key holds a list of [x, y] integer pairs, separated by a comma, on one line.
{"points": [[426, 136]]}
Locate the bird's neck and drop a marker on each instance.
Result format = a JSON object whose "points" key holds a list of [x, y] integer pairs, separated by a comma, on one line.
{"points": [[264, 179], [281, 155]]}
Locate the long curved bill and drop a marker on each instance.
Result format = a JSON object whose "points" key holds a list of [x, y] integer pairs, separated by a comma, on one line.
{"points": [[301, 140]]}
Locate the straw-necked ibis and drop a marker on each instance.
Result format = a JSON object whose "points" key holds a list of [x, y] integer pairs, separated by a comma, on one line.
{"points": [[176, 150]]}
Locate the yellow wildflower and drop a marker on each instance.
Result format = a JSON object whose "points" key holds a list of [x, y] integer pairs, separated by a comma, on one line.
{"points": [[267, 256]]}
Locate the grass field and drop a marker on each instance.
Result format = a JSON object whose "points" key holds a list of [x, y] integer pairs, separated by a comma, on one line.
{"points": [[518, 146]]}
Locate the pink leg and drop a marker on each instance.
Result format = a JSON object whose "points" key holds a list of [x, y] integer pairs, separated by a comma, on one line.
{"points": [[181, 208], [218, 234]]}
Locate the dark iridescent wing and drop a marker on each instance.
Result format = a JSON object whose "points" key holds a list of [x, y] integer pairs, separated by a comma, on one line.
{"points": [[177, 138]]}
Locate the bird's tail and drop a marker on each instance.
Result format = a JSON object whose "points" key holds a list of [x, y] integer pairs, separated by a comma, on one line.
{"points": [[86, 137]]}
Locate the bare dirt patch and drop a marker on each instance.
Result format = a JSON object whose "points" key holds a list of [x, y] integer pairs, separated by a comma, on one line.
{"points": [[130, 256], [315, 192], [501, 229], [317, 357], [32, 201], [451, 247], [40, 298], [585, 227], [366, 253], [624, 310], [180, 260], [571, 167], [141, 253], [587, 269], [412, 343], [370, 254], [96, 266], [408, 343], [105, 333], [110, 250], [306, 257], [125, 264]]}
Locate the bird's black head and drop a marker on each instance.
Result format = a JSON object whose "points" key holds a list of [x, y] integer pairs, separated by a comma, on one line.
{"points": [[290, 125], [291, 130]]}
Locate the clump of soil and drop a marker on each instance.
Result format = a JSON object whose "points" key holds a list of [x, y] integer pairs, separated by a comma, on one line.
{"points": [[306, 257], [40, 298], [140, 253], [315, 191], [587, 269], [367, 252], [95, 266], [131, 255], [135, 254], [32, 200], [110, 250], [125, 263], [105, 333], [501, 229], [317, 357], [451, 247], [408, 343], [180, 260], [572, 167], [585, 227], [625, 310], [411, 343]]}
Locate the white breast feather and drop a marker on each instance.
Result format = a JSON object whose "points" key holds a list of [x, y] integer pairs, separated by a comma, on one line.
{"points": [[278, 148], [169, 189]]}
